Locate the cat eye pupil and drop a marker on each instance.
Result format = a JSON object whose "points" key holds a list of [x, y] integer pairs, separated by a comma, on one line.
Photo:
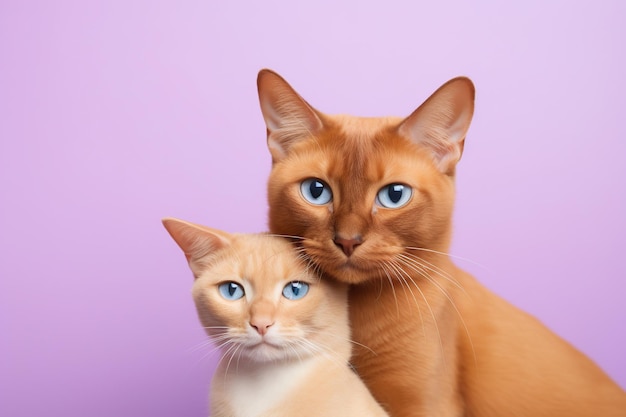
{"points": [[316, 189], [232, 288], [395, 192], [295, 288]]}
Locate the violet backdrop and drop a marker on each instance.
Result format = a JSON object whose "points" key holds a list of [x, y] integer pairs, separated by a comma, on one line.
{"points": [[114, 114]]}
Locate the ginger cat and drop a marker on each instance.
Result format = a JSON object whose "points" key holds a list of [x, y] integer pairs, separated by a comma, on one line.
{"points": [[370, 201], [283, 331]]}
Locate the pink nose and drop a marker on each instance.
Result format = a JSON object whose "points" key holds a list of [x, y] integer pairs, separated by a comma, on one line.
{"points": [[348, 245], [261, 325]]}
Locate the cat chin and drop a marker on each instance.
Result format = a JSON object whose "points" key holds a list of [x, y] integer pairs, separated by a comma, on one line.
{"points": [[349, 274], [267, 353]]}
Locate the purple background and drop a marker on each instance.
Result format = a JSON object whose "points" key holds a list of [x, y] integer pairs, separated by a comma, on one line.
{"points": [[114, 114]]}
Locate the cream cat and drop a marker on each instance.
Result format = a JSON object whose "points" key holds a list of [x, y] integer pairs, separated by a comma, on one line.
{"points": [[283, 332], [371, 201]]}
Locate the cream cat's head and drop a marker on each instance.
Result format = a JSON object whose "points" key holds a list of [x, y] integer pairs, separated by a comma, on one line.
{"points": [[258, 300], [364, 193]]}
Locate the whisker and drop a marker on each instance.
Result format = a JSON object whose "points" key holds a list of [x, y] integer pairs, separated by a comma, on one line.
{"points": [[231, 346], [385, 269], [232, 356], [295, 351], [400, 275], [237, 363], [346, 339], [285, 236], [402, 272], [201, 345], [423, 265], [218, 344], [432, 313], [321, 350], [460, 258], [427, 276]]}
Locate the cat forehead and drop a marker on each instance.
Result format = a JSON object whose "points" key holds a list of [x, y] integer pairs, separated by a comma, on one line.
{"points": [[363, 129], [259, 258], [366, 148]]}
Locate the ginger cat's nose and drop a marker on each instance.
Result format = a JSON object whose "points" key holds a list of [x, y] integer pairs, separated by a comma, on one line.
{"points": [[348, 245], [261, 325]]}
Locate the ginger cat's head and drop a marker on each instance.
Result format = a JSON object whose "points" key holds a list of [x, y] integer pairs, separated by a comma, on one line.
{"points": [[364, 194], [257, 298]]}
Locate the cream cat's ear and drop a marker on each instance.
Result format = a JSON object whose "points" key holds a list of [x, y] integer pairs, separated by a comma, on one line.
{"points": [[442, 122], [288, 117], [199, 243]]}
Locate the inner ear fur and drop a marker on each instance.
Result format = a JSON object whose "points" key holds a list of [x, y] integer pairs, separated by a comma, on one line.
{"points": [[200, 244], [288, 117], [441, 123]]}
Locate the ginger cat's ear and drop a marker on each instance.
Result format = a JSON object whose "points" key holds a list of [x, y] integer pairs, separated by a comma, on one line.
{"points": [[442, 122], [199, 243], [287, 116]]}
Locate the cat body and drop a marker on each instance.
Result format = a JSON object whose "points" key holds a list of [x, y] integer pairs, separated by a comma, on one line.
{"points": [[283, 332], [370, 201]]}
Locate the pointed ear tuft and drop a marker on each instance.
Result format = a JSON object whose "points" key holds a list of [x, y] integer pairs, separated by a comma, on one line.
{"points": [[287, 116], [442, 121], [199, 243]]}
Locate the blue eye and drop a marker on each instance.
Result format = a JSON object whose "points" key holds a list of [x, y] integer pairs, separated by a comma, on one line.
{"points": [[316, 191], [231, 291], [394, 195], [295, 290]]}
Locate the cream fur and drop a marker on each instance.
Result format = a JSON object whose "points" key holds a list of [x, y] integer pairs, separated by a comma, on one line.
{"points": [[298, 365]]}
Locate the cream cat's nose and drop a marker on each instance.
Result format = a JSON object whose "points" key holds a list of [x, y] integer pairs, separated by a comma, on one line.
{"points": [[348, 244], [261, 325]]}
